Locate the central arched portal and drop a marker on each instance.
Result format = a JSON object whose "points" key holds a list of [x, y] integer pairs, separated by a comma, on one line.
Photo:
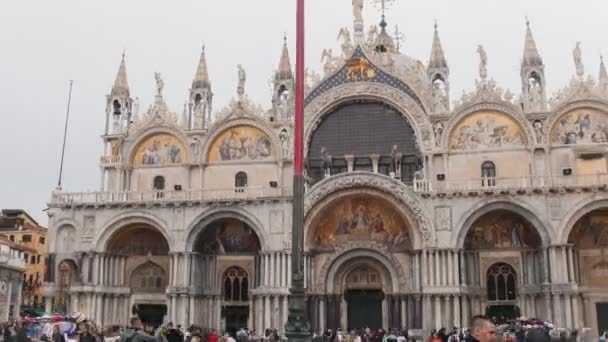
{"points": [[360, 241]]}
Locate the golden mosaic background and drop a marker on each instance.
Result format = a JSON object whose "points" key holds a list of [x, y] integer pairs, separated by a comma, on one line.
{"points": [[487, 129]]}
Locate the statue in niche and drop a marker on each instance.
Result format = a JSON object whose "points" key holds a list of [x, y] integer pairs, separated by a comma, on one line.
{"points": [[440, 100], [200, 105], [578, 60], [135, 110], [535, 94], [438, 130], [242, 79], [326, 161], [539, 131], [284, 138], [397, 158], [483, 62], [284, 105], [160, 84]]}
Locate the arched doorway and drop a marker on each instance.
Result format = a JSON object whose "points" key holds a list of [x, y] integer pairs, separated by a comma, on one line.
{"points": [[227, 257], [145, 252], [587, 261], [354, 237], [501, 286], [67, 276], [503, 256], [352, 129], [364, 297]]}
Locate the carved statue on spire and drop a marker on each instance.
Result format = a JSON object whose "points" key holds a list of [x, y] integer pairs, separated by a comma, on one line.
{"points": [[242, 79], [578, 60], [358, 10], [160, 84], [347, 44], [483, 63]]}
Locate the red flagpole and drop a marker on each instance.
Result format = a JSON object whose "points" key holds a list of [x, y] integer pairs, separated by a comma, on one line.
{"points": [[298, 162], [297, 327]]}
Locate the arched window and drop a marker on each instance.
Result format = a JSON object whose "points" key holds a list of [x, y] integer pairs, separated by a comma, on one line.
{"points": [[488, 174], [501, 283], [236, 285], [240, 181], [148, 278], [159, 183]]}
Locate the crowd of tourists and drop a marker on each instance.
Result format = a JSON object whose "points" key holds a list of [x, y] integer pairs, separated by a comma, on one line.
{"points": [[78, 329]]}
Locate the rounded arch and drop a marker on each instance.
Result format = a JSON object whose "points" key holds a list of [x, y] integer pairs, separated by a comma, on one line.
{"points": [[597, 109], [485, 207], [145, 135], [217, 131], [324, 104], [577, 212], [344, 260], [129, 218], [495, 107], [392, 190], [205, 219], [66, 239]]}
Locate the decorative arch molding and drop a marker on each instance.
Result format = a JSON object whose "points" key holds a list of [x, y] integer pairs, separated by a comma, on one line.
{"points": [[132, 144], [416, 213], [255, 122], [59, 225], [484, 207], [323, 105], [128, 218], [74, 270], [202, 221], [498, 106], [568, 107], [577, 212], [360, 250]]}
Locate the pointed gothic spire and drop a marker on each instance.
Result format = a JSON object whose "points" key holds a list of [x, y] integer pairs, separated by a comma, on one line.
{"points": [[531, 55], [201, 78], [437, 56], [603, 75], [121, 85], [284, 72]]}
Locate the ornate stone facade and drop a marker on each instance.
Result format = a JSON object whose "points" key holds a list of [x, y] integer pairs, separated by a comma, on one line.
{"points": [[209, 203]]}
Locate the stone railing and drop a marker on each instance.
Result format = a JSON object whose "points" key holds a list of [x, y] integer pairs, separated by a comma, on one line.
{"points": [[505, 184], [234, 194], [109, 160]]}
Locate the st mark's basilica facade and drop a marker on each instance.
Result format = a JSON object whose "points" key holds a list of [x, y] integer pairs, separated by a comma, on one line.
{"points": [[419, 212]]}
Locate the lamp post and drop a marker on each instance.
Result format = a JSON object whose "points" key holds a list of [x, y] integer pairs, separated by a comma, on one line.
{"points": [[297, 327]]}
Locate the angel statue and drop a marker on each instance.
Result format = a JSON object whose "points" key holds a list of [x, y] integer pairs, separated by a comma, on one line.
{"points": [[358, 10], [483, 64], [347, 44], [578, 60], [242, 79], [159, 84], [328, 61], [372, 34]]}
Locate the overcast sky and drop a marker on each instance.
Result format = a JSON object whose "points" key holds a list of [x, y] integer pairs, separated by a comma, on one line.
{"points": [[46, 43]]}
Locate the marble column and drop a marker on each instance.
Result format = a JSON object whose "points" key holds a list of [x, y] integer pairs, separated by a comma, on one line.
{"points": [[322, 313], [568, 311], [425, 268], [450, 267], [462, 269], [267, 312], [457, 322], [403, 312], [465, 311], [259, 314], [557, 312], [437, 267], [438, 312], [576, 313]]}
